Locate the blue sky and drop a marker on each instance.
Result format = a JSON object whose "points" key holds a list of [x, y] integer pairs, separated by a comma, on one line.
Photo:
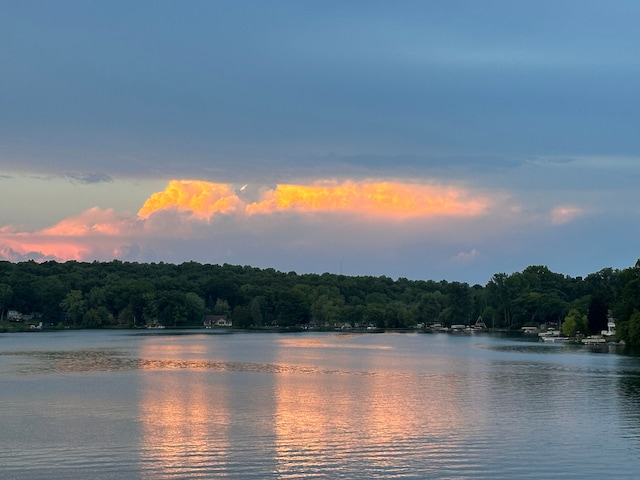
{"points": [[528, 109]]}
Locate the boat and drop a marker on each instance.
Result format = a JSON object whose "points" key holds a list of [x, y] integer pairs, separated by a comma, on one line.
{"points": [[593, 340], [530, 330], [555, 339], [552, 336], [438, 328]]}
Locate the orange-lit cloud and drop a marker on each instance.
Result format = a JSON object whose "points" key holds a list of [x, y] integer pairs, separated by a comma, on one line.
{"points": [[94, 221], [88, 235], [387, 199], [219, 222], [376, 198], [201, 198]]}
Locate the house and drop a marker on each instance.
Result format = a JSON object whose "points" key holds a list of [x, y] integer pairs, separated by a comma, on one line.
{"points": [[16, 316], [210, 321], [611, 327]]}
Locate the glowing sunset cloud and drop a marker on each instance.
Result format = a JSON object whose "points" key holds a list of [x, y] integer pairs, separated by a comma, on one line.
{"points": [[25, 246], [90, 222], [389, 199], [383, 198], [222, 222], [88, 235], [203, 199], [22, 245]]}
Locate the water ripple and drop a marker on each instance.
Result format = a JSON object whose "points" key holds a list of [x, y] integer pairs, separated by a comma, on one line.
{"points": [[423, 412], [110, 360]]}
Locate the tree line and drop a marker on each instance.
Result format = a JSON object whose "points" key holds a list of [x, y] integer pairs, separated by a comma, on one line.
{"points": [[128, 294]]}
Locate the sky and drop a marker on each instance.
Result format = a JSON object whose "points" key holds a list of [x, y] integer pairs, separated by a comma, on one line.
{"points": [[441, 140]]}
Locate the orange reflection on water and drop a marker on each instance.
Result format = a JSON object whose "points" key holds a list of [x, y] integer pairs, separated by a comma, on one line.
{"points": [[365, 410], [177, 409]]}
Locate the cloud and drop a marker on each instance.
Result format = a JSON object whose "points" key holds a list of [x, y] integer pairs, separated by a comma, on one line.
{"points": [[92, 222], [373, 199], [565, 213], [7, 253], [202, 199], [218, 222], [93, 234], [466, 257], [89, 178]]}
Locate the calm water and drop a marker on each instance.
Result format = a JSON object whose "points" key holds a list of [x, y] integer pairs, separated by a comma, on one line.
{"points": [[141, 405]]}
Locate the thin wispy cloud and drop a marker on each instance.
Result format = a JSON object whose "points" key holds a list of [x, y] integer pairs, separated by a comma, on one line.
{"points": [[466, 257], [566, 213], [89, 178]]}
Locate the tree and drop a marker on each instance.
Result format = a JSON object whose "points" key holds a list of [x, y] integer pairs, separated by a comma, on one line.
{"points": [[627, 303], [172, 309], [501, 292], [47, 294], [96, 317], [399, 315], [221, 307], [574, 323], [374, 314], [292, 308], [629, 331], [255, 310], [459, 303], [6, 292], [326, 310], [195, 307], [430, 307], [74, 306], [150, 309], [597, 315], [138, 294], [241, 317], [539, 307]]}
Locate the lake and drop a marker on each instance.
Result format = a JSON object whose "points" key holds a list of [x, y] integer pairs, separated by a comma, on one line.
{"points": [[186, 405]]}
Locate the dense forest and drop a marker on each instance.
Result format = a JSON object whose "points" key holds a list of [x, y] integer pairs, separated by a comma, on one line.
{"points": [[123, 294]]}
